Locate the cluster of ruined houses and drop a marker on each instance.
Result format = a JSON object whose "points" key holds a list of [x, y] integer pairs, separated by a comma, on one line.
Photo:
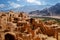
{"points": [[19, 26]]}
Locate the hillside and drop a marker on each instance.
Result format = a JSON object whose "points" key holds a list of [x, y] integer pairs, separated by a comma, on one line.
{"points": [[53, 10]]}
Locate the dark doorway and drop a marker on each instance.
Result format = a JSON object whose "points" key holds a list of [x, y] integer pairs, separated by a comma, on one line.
{"points": [[9, 37]]}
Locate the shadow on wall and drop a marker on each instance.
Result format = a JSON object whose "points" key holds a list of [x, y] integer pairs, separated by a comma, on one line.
{"points": [[9, 37]]}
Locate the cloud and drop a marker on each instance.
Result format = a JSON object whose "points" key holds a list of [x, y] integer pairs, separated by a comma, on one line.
{"points": [[2, 5], [15, 5], [34, 2], [18, 0]]}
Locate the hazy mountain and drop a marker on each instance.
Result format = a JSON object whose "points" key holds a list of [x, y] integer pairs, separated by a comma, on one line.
{"points": [[28, 8], [32, 8], [53, 10]]}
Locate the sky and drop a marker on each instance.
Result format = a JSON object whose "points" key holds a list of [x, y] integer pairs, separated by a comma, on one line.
{"points": [[21, 3]]}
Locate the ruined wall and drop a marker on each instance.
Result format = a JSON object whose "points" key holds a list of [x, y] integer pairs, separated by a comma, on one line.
{"points": [[20, 26]]}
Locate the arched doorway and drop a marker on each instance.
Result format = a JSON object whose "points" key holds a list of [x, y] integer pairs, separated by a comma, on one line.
{"points": [[9, 37]]}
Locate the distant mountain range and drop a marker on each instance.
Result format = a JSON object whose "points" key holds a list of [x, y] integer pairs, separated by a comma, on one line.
{"points": [[27, 8], [44, 10], [53, 10], [31, 8]]}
